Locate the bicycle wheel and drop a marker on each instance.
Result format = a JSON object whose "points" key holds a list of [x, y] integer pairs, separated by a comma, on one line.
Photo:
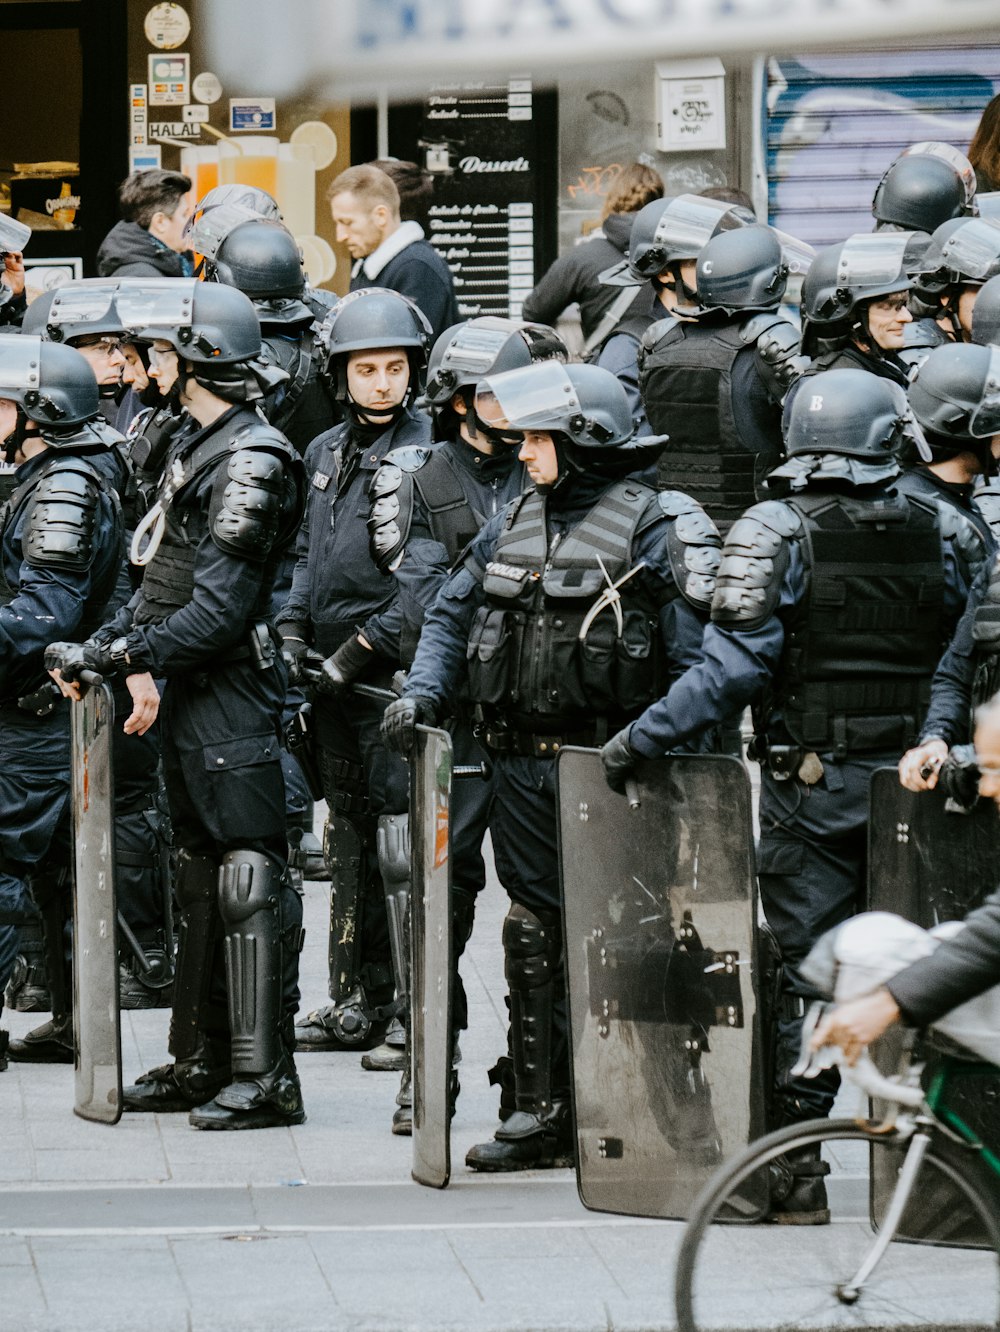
{"points": [[736, 1274]]}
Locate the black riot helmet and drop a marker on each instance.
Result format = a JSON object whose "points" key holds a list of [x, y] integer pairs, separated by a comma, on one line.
{"points": [[584, 408], [844, 277], [986, 314], [372, 319], [667, 231], [258, 257], [52, 385], [251, 198], [955, 398], [213, 327], [466, 353], [848, 412], [87, 307], [963, 252], [919, 191], [741, 271]]}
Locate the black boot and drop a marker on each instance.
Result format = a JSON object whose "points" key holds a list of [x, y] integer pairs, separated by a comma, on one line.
{"points": [[798, 1193], [266, 1100], [390, 1056], [347, 1025], [51, 1043], [146, 982], [183, 1085], [28, 987]]}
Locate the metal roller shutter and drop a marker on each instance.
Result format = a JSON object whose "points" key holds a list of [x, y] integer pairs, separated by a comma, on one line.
{"points": [[835, 122]]}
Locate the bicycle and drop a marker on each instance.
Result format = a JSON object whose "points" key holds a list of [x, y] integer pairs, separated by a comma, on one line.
{"points": [[935, 1178]]}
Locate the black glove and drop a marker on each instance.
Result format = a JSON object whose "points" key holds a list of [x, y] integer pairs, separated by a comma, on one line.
{"points": [[346, 664], [293, 649], [72, 660], [959, 776], [401, 719], [618, 759]]}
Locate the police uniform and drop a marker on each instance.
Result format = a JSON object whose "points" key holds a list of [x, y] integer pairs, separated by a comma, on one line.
{"points": [[547, 667], [60, 551]]}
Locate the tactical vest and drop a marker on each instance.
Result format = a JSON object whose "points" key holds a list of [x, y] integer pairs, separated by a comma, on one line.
{"points": [[544, 650], [863, 645], [686, 382]]}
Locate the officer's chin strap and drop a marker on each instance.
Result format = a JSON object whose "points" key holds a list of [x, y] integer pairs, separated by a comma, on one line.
{"points": [[476, 426], [611, 596], [380, 420]]}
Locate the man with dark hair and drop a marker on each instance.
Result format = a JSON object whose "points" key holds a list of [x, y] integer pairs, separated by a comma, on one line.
{"points": [[364, 202], [150, 241]]}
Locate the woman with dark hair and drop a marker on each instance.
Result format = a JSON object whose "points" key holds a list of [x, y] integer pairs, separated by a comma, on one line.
{"points": [[984, 150], [574, 276]]}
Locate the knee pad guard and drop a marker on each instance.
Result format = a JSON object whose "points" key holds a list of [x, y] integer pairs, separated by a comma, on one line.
{"points": [[195, 885], [392, 844], [531, 945]]}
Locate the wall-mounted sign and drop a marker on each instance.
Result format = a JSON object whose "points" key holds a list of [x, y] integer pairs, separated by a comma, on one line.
{"points": [[690, 105], [251, 113], [207, 88], [169, 77], [167, 26]]}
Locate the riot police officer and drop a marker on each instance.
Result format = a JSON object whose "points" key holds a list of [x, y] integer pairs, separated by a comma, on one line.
{"points": [[855, 304], [667, 237], [927, 184], [374, 348], [963, 254], [429, 504], [61, 547], [714, 384], [830, 611], [955, 398], [555, 658], [228, 506]]}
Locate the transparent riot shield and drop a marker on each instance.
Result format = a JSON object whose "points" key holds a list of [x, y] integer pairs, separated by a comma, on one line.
{"points": [[430, 953], [96, 1030], [659, 907], [931, 861]]}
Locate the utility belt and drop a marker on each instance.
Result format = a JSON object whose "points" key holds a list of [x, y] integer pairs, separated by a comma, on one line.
{"points": [[541, 738], [262, 651], [786, 761]]}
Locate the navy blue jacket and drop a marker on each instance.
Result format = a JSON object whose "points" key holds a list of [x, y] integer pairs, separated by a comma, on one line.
{"points": [[419, 272], [337, 590], [49, 604]]}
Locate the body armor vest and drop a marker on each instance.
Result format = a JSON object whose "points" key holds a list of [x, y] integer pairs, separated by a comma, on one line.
{"points": [[453, 517], [687, 386], [862, 646], [546, 649]]}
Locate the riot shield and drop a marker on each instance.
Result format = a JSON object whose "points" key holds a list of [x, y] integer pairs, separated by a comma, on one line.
{"points": [[96, 1030], [430, 954], [659, 908], [931, 861]]}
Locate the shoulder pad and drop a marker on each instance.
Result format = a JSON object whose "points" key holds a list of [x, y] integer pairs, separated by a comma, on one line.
{"points": [[392, 507], [692, 523], [757, 324], [967, 538], [260, 435], [754, 559], [693, 543], [409, 457], [988, 504], [654, 335], [252, 495], [778, 355], [62, 522]]}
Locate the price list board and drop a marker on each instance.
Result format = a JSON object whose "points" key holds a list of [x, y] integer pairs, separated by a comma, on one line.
{"points": [[491, 148]]}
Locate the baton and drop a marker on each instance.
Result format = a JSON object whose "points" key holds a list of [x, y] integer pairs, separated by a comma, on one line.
{"points": [[632, 793]]}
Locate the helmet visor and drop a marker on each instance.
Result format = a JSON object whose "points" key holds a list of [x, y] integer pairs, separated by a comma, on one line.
{"points": [[82, 304], [207, 235], [879, 259], [989, 204], [798, 255], [20, 364], [973, 250], [985, 419], [476, 347], [954, 158], [539, 397], [689, 222], [167, 303], [14, 235]]}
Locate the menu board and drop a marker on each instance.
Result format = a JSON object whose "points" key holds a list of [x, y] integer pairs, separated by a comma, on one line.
{"points": [[487, 144]]}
